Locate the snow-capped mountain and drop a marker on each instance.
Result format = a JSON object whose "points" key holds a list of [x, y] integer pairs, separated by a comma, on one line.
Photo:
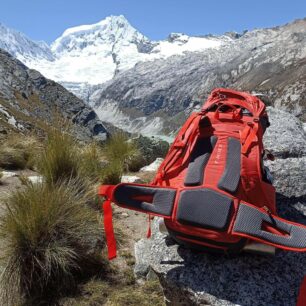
{"points": [[22, 47], [150, 86], [156, 97], [93, 54]]}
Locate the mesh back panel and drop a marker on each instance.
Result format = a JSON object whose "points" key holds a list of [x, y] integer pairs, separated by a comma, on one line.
{"points": [[204, 208]]}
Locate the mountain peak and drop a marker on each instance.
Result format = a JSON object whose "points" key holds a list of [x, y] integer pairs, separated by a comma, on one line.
{"points": [[107, 31], [112, 20], [22, 47]]}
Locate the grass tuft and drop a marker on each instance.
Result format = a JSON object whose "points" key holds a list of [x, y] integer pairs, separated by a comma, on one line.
{"points": [[49, 237], [120, 150], [19, 151], [91, 162], [149, 294], [59, 161]]}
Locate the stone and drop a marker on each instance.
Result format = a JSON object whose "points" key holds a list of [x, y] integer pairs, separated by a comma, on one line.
{"points": [[152, 167], [142, 258], [289, 175], [285, 137], [130, 179], [8, 174], [35, 179]]}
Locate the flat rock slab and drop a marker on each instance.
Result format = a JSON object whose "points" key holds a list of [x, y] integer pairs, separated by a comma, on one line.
{"points": [[191, 278]]}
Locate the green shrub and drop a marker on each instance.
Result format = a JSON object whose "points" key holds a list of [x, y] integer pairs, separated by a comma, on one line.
{"points": [[112, 173], [148, 150], [48, 241], [118, 150], [63, 158], [91, 163], [60, 158], [19, 151], [136, 162]]}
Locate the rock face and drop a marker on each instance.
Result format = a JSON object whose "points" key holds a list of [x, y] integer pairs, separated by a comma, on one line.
{"points": [[27, 100], [190, 278], [268, 62]]}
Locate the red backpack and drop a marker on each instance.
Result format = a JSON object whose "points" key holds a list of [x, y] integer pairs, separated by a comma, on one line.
{"points": [[212, 188]]}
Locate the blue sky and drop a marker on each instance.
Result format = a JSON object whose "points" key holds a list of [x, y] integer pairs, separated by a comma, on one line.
{"points": [[47, 19]]}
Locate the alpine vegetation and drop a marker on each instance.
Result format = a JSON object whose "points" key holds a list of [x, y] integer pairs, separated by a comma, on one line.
{"points": [[19, 151], [120, 153], [59, 160], [48, 241]]}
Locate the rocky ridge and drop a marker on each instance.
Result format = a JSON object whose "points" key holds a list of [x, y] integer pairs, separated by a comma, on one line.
{"points": [[28, 100]]}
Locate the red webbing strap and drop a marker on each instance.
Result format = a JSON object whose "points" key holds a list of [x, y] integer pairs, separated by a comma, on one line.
{"points": [[106, 191], [181, 141], [149, 232], [248, 137], [302, 294], [189, 136]]}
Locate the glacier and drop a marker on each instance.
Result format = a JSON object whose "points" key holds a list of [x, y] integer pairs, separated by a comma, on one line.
{"points": [[93, 54]]}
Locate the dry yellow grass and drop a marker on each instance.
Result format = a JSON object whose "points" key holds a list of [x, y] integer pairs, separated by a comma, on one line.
{"points": [[19, 151], [48, 235]]}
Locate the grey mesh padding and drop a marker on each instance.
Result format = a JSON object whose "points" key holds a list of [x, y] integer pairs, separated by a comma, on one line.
{"points": [[231, 175], [198, 160], [204, 208], [162, 204], [249, 221]]}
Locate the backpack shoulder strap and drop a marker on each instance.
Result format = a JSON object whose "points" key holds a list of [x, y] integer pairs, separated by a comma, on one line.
{"points": [[158, 201]]}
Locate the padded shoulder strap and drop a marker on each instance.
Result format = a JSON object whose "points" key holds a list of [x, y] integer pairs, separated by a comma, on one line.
{"points": [[203, 208]]}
